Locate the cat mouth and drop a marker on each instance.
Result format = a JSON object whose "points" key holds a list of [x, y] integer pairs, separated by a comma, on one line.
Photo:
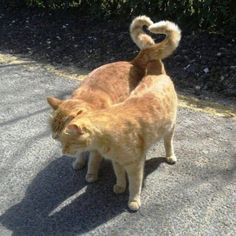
{"points": [[66, 153]]}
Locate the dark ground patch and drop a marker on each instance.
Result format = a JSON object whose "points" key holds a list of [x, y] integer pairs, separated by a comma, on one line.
{"points": [[204, 62]]}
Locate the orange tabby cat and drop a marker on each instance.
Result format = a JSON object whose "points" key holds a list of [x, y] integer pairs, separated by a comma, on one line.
{"points": [[124, 132], [112, 83]]}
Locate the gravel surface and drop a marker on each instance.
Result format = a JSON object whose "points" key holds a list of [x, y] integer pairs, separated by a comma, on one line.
{"points": [[42, 195]]}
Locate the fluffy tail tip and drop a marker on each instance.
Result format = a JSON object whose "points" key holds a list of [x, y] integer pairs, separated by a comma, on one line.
{"points": [[163, 26]]}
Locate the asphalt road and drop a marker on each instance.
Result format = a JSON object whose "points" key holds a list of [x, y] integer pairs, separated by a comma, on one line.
{"points": [[40, 194]]}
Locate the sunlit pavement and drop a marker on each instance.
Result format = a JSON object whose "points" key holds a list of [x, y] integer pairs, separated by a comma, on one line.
{"points": [[40, 194]]}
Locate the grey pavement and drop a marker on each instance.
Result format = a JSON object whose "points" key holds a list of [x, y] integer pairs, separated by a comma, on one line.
{"points": [[40, 194]]}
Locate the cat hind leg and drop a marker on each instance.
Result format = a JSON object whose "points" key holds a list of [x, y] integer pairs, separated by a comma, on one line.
{"points": [[169, 147]]}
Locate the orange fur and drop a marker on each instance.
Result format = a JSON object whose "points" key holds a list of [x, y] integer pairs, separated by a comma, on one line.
{"points": [[124, 132], [109, 84], [103, 87]]}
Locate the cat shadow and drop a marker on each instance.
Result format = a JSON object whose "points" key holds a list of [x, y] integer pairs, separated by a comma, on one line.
{"points": [[152, 165], [59, 201]]}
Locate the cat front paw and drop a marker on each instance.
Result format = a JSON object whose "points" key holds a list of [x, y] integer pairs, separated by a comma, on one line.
{"points": [[134, 205], [78, 165], [90, 178], [171, 159], [118, 189]]}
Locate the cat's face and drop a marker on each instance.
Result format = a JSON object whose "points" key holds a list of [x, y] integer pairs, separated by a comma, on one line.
{"points": [[76, 138], [63, 113]]}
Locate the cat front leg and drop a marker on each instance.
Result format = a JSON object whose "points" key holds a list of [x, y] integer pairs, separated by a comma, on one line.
{"points": [[135, 176], [169, 147], [93, 166], [79, 162], [120, 185]]}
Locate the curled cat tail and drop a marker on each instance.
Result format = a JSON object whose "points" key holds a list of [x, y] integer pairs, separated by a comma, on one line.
{"points": [[173, 36], [140, 38], [160, 50]]}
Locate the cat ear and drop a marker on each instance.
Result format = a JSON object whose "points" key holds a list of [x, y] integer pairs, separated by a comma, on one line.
{"points": [[54, 102], [73, 129]]}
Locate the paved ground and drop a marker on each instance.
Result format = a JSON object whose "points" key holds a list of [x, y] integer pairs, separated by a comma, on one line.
{"points": [[40, 194]]}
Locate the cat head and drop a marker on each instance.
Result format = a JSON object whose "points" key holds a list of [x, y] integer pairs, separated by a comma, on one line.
{"points": [[63, 112], [76, 137]]}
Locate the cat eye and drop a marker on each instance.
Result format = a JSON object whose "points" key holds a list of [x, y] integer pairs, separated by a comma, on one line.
{"points": [[79, 112]]}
